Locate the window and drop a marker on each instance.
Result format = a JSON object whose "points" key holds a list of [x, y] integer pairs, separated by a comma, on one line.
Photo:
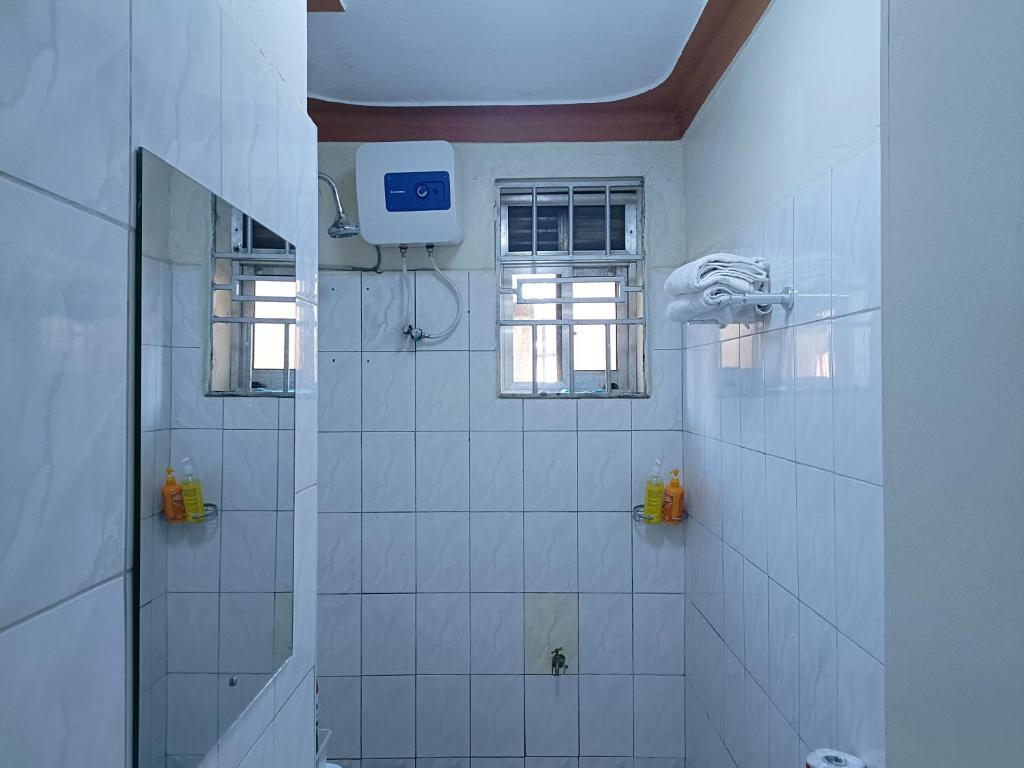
{"points": [[252, 328], [571, 288]]}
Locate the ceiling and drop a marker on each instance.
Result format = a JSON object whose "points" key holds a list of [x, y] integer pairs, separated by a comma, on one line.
{"points": [[424, 53]]}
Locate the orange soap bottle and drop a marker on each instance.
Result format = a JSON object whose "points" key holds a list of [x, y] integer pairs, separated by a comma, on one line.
{"points": [[672, 511], [174, 504]]}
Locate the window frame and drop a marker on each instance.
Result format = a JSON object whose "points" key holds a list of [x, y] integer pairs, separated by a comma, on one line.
{"points": [[627, 376]]}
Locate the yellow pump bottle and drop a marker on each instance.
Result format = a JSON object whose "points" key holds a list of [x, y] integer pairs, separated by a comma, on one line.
{"points": [[654, 495], [192, 494], [674, 495], [174, 505]]}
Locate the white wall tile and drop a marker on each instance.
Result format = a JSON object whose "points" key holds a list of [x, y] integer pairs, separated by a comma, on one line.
{"points": [[389, 552], [482, 300], [752, 405], [192, 631], [549, 414], [657, 559], [813, 394], [387, 457], [712, 503], [339, 635], [340, 391], [816, 540], [250, 469], [780, 494], [340, 326], [756, 726], [486, 410], [605, 551], [755, 624], [552, 715], [496, 551], [442, 633], [496, 705], [251, 412], [778, 251], [340, 711], [658, 706], [812, 249], [783, 742], [442, 715], [856, 232], [340, 471], [603, 461], [384, 312], [68, 68], [551, 621], [496, 471], [247, 632], [784, 648], [732, 591], [658, 631], [442, 471], [857, 396], [73, 277], [389, 634], [248, 127], [664, 408], [606, 715], [730, 391], [176, 50], [860, 564], [550, 562], [732, 495], [818, 681], [442, 390], [190, 295], [606, 642], [665, 333], [442, 552], [755, 518], [435, 309], [550, 470], [389, 391], [193, 557], [779, 403], [58, 665], [248, 544], [861, 706], [603, 414], [389, 716], [496, 640], [339, 553], [191, 713]]}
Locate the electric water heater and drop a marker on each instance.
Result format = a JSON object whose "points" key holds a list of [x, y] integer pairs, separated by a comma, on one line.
{"points": [[407, 193]]}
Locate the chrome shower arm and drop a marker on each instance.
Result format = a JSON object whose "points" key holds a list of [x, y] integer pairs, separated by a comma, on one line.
{"points": [[334, 189]]}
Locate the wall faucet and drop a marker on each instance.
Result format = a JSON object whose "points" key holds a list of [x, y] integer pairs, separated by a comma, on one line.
{"points": [[558, 662]]}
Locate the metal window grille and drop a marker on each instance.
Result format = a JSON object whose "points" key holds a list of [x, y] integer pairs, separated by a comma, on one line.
{"points": [[252, 319], [571, 289]]}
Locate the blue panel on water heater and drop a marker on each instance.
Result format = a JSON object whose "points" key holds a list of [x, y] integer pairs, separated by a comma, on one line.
{"points": [[417, 191]]}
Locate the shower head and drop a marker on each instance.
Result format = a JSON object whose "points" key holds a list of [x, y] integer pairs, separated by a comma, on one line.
{"points": [[343, 226]]}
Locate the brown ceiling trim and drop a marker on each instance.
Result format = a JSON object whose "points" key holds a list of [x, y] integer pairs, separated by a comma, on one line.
{"points": [[325, 6], [661, 114]]}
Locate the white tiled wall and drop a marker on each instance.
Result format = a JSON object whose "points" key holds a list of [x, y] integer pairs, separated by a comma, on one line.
{"points": [[782, 439], [462, 537], [87, 83]]}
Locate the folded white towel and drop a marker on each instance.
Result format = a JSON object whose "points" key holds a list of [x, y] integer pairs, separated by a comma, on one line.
{"points": [[738, 273], [714, 303]]}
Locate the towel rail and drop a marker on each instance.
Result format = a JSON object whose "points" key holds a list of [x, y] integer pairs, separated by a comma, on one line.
{"points": [[785, 299]]}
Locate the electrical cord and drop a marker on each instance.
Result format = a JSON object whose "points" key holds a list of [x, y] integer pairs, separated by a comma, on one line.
{"points": [[412, 331]]}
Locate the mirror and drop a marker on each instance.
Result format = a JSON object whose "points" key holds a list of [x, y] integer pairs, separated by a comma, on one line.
{"points": [[215, 352]]}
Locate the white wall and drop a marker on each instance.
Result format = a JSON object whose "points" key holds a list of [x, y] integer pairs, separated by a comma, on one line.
{"points": [[478, 165], [801, 95], [464, 537], [782, 418], [85, 83], [953, 365]]}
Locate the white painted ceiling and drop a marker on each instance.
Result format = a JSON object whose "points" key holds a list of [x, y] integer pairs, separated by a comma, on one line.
{"points": [[489, 52]]}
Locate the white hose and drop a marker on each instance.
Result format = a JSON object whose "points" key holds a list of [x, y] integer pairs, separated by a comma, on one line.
{"points": [[419, 333]]}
